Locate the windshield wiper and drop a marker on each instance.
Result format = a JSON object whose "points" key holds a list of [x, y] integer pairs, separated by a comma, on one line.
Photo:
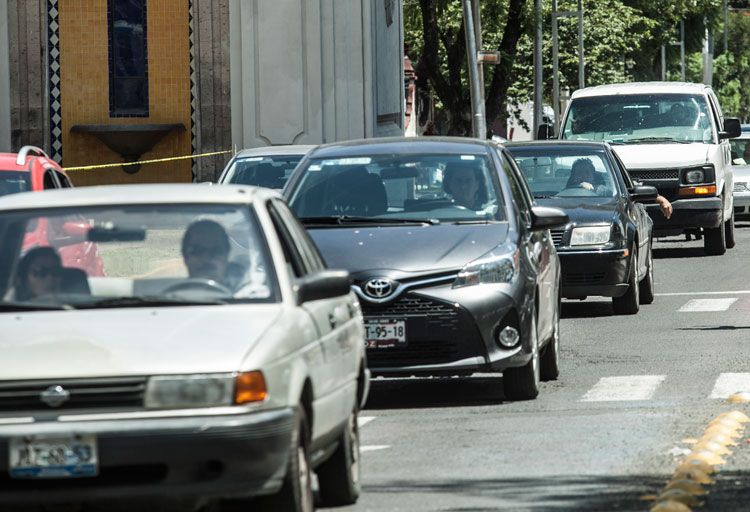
{"points": [[658, 139], [543, 197], [351, 219], [475, 221], [145, 301], [32, 306]]}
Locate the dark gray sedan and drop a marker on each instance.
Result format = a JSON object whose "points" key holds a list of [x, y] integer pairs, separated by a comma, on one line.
{"points": [[451, 258]]}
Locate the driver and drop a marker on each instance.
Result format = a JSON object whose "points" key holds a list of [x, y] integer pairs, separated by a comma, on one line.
{"points": [[583, 175], [205, 249], [465, 185]]}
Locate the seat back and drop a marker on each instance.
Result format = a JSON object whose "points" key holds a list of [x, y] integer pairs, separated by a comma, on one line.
{"points": [[74, 280]]}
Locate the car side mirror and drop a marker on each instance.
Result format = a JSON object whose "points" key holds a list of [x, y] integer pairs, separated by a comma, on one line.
{"points": [[75, 232], [548, 217], [732, 128], [323, 284], [644, 193], [544, 132]]}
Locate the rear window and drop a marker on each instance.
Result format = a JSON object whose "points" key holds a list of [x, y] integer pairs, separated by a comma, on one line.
{"points": [[262, 171], [13, 182]]}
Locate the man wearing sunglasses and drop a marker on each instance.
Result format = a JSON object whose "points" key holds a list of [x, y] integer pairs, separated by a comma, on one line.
{"points": [[39, 274], [205, 249]]}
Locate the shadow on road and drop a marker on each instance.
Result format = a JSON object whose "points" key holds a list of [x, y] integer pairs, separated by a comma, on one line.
{"points": [[585, 309], [715, 328], [421, 393], [679, 252], [558, 493]]}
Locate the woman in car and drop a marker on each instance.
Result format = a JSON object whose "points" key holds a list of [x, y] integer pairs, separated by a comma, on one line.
{"points": [[465, 185], [39, 274]]}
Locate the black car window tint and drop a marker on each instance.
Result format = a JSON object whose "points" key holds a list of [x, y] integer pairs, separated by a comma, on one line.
{"points": [[623, 171], [515, 189], [49, 181], [291, 254], [523, 185], [64, 181], [306, 247]]}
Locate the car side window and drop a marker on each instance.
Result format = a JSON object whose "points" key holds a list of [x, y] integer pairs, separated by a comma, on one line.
{"points": [[307, 248], [294, 259], [521, 197], [623, 172], [49, 180], [64, 181]]}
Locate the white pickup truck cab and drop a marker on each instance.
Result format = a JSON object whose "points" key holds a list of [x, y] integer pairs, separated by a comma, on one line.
{"points": [[670, 135]]}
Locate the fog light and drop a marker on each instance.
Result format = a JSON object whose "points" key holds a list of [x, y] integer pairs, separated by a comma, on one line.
{"points": [[508, 336]]}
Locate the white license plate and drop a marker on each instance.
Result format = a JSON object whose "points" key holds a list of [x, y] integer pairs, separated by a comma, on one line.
{"points": [[53, 457], [385, 333]]}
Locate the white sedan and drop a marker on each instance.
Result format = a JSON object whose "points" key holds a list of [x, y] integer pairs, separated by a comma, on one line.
{"points": [[217, 358]]}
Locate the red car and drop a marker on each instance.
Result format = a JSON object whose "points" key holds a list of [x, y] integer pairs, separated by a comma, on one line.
{"points": [[32, 170]]}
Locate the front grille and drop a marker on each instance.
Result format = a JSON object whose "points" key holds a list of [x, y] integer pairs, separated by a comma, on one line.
{"points": [[739, 209], [741, 186], [407, 306], [557, 236], [84, 393], [582, 278], [655, 174]]}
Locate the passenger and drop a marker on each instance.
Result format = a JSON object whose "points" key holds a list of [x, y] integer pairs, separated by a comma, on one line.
{"points": [[205, 249], [465, 185], [39, 274]]}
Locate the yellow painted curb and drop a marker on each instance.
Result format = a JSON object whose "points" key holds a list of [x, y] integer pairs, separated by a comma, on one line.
{"points": [[670, 506], [686, 485], [693, 474], [679, 496]]}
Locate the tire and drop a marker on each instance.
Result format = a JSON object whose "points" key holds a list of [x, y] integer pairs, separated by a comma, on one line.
{"points": [[729, 231], [523, 383], [338, 477], [628, 304], [550, 361], [714, 241], [646, 285], [295, 494]]}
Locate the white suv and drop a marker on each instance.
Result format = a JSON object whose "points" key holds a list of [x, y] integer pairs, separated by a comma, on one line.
{"points": [[670, 135]]}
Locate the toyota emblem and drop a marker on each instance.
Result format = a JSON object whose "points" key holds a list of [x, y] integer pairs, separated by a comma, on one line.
{"points": [[379, 287], [55, 396]]}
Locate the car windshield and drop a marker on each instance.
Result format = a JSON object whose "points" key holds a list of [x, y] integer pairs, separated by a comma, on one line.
{"points": [[563, 172], [12, 182], [634, 118], [262, 171], [740, 150], [386, 188], [133, 255]]}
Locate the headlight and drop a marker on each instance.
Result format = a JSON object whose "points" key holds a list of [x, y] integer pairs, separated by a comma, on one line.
{"points": [[209, 390], [590, 235], [695, 176], [497, 266]]}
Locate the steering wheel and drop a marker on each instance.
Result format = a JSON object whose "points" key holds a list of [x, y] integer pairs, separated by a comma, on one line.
{"points": [[198, 283], [576, 192]]}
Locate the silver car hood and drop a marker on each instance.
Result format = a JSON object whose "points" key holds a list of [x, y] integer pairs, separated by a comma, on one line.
{"points": [[137, 341], [662, 156]]}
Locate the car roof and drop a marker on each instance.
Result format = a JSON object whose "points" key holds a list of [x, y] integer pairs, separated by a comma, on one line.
{"points": [[291, 149], [641, 88], [154, 193], [401, 145]]}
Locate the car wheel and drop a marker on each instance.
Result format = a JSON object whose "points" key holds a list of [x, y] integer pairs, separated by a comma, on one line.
{"points": [[647, 283], [295, 494], [523, 383], [338, 477], [550, 360], [628, 304], [729, 231], [714, 241]]}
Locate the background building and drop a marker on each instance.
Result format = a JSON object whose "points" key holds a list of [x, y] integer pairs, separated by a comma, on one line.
{"points": [[107, 81]]}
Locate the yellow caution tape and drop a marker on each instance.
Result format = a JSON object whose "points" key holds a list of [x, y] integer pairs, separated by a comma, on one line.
{"points": [[123, 164]]}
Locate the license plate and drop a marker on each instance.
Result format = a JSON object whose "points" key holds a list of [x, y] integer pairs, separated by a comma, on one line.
{"points": [[385, 333], [53, 457]]}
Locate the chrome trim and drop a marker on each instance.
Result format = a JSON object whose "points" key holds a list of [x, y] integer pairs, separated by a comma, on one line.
{"points": [[594, 251], [401, 288], [163, 413]]}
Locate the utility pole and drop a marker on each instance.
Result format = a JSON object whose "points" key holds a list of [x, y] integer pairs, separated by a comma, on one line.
{"points": [[477, 111], [538, 106], [555, 57], [726, 29]]}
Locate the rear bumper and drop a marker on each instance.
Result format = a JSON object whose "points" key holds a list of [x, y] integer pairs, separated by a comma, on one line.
{"points": [[701, 212], [167, 458], [594, 272]]}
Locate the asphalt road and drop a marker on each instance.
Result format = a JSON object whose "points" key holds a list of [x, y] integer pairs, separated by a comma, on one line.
{"points": [[608, 434]]}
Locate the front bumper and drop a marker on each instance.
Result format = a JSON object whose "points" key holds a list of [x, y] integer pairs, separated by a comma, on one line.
{"points": [[742, 205], [692, 213], [448, 331], [594, 272], [177, 457]]}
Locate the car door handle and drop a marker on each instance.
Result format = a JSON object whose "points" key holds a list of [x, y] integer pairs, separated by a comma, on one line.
{"points": [[332, 320]]}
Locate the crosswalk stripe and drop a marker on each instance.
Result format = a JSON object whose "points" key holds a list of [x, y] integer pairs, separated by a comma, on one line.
{"points": [[624, 388], [730, 383], [373, 447], [364, 420], [704, 305]]}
